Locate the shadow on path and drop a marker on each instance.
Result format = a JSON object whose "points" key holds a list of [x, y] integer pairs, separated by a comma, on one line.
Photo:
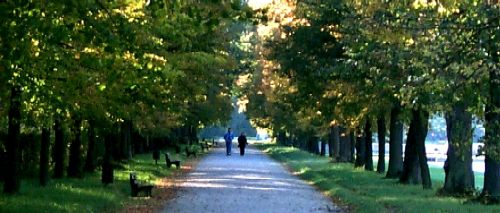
{"points": [[250, 183]]}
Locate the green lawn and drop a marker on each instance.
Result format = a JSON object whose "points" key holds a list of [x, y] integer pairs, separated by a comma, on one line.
{"points": [[88, 194], [368, 191], [437, 174]]}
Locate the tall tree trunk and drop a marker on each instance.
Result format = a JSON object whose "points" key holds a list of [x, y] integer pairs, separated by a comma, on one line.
{"points": [[459, 178], [126, 130], [281, 138], [59, 149], [395, 167], [415, 168], [30, 144], [410, 173], [313, 145], [381, 144], [44, 157], [352, 144], [330, 143], [75, 158], [334, 143], [107, 164], [90, 159], [12, 181], [360, 149], [422, 128], [491, 187], [345, 145], [323, 148], [368, 146]]}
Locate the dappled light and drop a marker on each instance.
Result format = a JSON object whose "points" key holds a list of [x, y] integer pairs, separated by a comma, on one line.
{"points": [[370, 192], [126, 105], [252, 182]]}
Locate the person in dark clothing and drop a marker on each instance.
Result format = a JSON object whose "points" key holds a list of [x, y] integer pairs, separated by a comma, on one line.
{"points": [[242, 142]]}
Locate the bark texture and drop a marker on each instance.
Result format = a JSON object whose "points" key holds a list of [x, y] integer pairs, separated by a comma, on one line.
{"points": [[90, 158], [75, 158], [381, 144], [459, 178], [395, 167], [345, 146], [44, 157], [12, 180], [360, 150], [368, 146], [59, 149], [415, 168]]}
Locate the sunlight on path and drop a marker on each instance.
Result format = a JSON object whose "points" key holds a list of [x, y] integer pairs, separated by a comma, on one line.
{"points": [[250, 183]]}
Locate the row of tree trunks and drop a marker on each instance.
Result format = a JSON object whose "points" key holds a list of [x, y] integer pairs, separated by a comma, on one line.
{"points": [[12, 170], [415, 168], [395, 143], [459, 179], [381, 144], [12, 179]]}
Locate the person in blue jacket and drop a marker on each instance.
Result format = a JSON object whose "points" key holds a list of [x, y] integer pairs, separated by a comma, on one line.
{"points": [[228, 137]]}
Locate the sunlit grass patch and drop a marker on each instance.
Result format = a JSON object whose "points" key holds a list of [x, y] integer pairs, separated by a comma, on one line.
{"points": [[87, 194], [369, 191]]}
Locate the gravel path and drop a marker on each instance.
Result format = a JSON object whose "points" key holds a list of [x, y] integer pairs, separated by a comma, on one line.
{"points": [[250, 183]]}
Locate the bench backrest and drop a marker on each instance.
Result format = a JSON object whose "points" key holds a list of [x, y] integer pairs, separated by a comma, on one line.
{"points": [[167, 157], [133, 180]]}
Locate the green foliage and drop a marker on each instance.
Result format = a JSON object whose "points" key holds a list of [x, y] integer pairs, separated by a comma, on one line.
{"points": [[111, 61], [342, 62]]}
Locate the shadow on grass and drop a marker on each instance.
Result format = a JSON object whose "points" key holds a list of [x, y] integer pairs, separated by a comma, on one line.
{"points": [[368, 191], [83, 195]]}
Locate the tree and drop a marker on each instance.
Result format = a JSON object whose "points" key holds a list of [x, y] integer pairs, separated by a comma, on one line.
{"points": [[381, 130], [368, 145], [491, 188]]}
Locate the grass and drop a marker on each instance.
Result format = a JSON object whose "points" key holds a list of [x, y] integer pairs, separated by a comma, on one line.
{"points": [[437, 174], [87, 194], [368, 191]]}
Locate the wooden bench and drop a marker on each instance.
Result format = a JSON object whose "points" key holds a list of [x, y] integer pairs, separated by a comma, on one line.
{"points": [[177, 163], [137, 187], [204, 145], [190, 152]]}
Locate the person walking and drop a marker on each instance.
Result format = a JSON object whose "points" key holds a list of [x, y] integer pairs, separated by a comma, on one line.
{"points": [[228, 137], [242, 142]]}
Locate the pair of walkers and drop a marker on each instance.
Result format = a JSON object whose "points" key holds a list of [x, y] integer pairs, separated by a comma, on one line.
{"points": [[242, 142]]}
